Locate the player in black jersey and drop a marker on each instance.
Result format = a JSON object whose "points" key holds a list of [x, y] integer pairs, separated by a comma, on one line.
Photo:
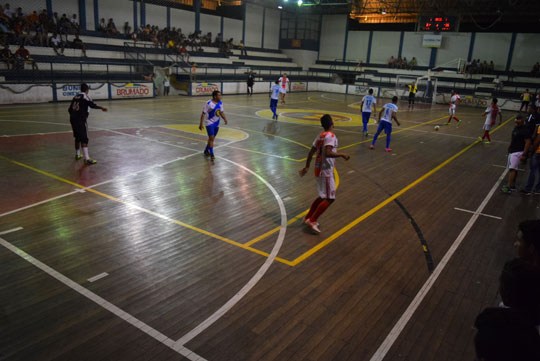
{"points": [[78, 114]]}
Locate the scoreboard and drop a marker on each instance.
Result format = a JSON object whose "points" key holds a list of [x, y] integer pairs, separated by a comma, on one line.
{"points": [[438, 23]]}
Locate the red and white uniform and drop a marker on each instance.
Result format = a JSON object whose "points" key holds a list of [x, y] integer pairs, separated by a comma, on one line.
{"points": [[324, 166], [491, 117], [283, 84], [453, 100]]}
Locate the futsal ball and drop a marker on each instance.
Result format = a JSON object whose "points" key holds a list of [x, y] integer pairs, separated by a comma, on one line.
{"points": [[437, 127]]}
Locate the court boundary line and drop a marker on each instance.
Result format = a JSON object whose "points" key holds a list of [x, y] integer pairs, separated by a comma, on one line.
{"points": [[100, 301], [395, 332]]}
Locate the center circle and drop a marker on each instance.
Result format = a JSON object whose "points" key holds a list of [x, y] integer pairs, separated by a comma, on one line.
{"points": [[315, 116]]}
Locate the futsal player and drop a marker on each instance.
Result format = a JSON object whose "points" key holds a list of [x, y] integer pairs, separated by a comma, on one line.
{"points": [[525, 99], [78, 116], [284, 82], [211, 114], [385, 123], [412, 94], [452, 110], [517, 152], [491, 114], [368, 103], [274, 97], [325, 150]]}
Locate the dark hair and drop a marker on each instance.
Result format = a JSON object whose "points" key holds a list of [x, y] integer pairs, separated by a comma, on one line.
{"points": [[326, 121], [505, 335], [520, 116], [394, 99], [84, 87], [531, 228], [215, 93], [519, 286], [277, 81], [495, 100], [370, 91]]}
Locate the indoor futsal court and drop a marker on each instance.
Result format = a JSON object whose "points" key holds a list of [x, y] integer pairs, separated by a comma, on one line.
{"points": [[269, 180]]}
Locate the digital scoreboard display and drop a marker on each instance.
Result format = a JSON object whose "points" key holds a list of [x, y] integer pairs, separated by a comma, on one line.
{"points": [[437, 23]]}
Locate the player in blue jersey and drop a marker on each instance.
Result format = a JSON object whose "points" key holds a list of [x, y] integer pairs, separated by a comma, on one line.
{"points": [[274, 98], [368, 102], [385, 122], [211, 114]]}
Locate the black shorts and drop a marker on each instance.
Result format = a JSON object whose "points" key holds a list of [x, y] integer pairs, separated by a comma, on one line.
{"points": [[411, 98], [80, 133], [525, 103]]}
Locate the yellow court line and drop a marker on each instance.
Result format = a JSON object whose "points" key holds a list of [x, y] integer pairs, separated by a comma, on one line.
{"points": [[176, 135], [180, 223], [329, 240]]}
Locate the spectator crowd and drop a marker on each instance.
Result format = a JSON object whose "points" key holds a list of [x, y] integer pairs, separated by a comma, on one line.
{"points": [[402, 63]]}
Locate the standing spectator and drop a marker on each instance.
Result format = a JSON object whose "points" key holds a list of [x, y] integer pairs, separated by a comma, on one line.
{"points": [[193, 74], [525, 99], [127, 28], [391, 62], [77, 43], [535, 167], [413, 63], [57, 43], [535, 69], [7, 56], [491, 67], [184, 55], [242, 48], [8, 12], [517, 152], [102, 25], [41, 34], [166, 85], [250, 82], [74, 24], [111, 28], [527, 243]]}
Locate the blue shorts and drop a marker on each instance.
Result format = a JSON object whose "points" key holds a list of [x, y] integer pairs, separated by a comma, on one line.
{"points": [[212, 130], [386, 126], [365, 117], [273, 103]]}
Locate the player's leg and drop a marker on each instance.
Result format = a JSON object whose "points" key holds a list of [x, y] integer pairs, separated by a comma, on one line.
{"points": [[327, 192], [77, 149], [82, 135], [312, 209], [379, 130], [365, 121], [388, 132], [513, 165], [412, 98]]}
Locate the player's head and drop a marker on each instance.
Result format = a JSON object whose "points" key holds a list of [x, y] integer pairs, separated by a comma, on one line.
{"points": [[494, 101], [216, 95], [284, 74], [413, 83], [531, 109], [520, 119], [517, 287], [503, 334], [277, 82], [527, 90], [84, 88], [527, 243], [394, 99], [370, 91], [327, 122]]}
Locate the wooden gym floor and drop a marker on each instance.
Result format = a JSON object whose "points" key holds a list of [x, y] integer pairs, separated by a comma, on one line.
{"points": [[155, 253]]}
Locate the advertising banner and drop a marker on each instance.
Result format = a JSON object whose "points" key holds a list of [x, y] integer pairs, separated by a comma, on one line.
{"points": [[299, 86], [204, 88], [65, 92], [132, 90]]}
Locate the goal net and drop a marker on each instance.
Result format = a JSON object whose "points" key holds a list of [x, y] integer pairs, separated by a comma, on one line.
{"points": [[426, 87]]}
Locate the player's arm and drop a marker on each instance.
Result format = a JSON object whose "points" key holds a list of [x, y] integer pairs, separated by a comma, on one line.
{"points": [[535, 145], [224, 118], [304, 170], [362, 105], [394, 116], [526, 149], [93, 105], [201, 122], [374, 107], [331, 154]]}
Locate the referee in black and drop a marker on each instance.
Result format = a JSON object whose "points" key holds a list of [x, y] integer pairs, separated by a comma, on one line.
{"points": [[78, 114]]}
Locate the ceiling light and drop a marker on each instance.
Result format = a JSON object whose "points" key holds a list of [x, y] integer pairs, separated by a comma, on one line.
{"points": [[300, 2], [280, 7]]}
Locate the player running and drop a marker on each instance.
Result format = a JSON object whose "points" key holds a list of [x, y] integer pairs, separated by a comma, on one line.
{"points": [[212, 111], [452, 110], [368, 102], [492, 112], [274, 97], [78, 116], [385, 123], [284, 83], [325, 148]]}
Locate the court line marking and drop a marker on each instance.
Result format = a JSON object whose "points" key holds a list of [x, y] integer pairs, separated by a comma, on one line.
{"points": [[256, 277], [504, 166], [381, 205], [10, 230], [422, 293], [98, 277], [274, 135], [101, 302], [473, 212]]}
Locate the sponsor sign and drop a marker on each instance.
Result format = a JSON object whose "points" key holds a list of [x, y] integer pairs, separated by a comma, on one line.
{"points": [[299, 87], [204, 88], [474, 101], [432, 41], [68, 91], [132, 90]]}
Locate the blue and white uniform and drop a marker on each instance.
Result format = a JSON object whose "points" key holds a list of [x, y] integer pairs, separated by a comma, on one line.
{"points": [[274, 97], [386, 119], [369, 101], [213, 115]]}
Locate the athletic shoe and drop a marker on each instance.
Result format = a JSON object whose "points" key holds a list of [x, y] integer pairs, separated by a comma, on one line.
{"points": [[525, 192], [212, 158], [536, 192], [206, 153], [314, 227], [78, 156], [487, 142], [506, 189], [366, 134], [277, 116], [480, 139], [388, 149], [90, 161], [372, 147], [447, 123]]}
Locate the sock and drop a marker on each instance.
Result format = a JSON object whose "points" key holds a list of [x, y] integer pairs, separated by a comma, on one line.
{"points": [[78, 152], [388, 141], [274, 111], [207, 148], [313, 207], [375, 138], [320, 210], [365, 127], [487, 136], [211, 149], [85, 153], [456, 118]]}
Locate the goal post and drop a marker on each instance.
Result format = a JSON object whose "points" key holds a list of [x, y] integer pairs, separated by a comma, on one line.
{"points": [[426, 87]]}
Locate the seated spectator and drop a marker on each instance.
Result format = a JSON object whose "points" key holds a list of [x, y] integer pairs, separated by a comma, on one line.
{"points": [[491, 67], [41, 35], [33, 17], [111, 28], [391, 62], [184, 55], [45, 20], [527, 244], [8, 12], [413, 63], [127, 28], [22, 55], [504, 335], [7, 56], [74, 25], [102, 25], [5, 32], [77, 43], [536, 68], [57, 44], [219, 40]]}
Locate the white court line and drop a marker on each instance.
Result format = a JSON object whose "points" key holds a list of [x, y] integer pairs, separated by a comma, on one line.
{"points": [[38, 203], [503, 166], [422, 293], [98, 277], [10, 230], [102, 302], [473, 212]]}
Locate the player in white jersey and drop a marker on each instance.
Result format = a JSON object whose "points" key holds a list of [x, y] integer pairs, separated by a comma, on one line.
{"points": [[274, 97], [454, 99], [211, 114], [385, 123], [284, 85], [368, 102], [325, 148]]}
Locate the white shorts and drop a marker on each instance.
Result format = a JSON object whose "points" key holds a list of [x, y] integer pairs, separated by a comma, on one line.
{"points": [[514, 159], [452, 111], [283, 90], [326, 187], [488, 126]]}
